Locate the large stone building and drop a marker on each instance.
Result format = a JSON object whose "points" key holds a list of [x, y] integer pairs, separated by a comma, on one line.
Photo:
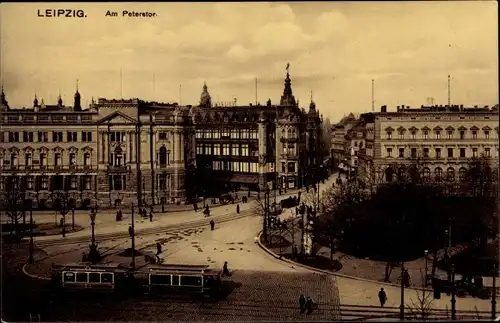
{"points": [[114, 152], [120, 152], [245, 147], [440, 140]]}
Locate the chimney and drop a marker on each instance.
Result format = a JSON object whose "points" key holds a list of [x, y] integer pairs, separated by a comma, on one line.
{"points": [[384, 108]]}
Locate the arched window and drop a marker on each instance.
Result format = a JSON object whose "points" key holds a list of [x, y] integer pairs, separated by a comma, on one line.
{"points": [[163, 156], [462, 174], [426, 174], [438, 174], [450, 174], [389, 173]]}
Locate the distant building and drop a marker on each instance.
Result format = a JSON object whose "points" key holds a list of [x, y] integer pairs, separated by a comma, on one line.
{"points": [[247, 147], [339, 131], [441, 140]]}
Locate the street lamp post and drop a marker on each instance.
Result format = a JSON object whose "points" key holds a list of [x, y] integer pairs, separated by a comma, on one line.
{"points": [[453, 300], [92, 224], [426, 252], [132, 236], [402, 305], [494, 292], [73, 218]]}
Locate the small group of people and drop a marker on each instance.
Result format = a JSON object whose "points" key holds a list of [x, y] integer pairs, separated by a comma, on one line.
{"points": [[306, 304]]}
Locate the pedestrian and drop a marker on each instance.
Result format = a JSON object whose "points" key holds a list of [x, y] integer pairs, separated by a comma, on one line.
{"points": [[195, 206], [238, 208], [225, 271], [382, 297], [150, 216], [309, 303], [212, 225], [302, 303], [130, 231], [158, 248], [248, 193]]}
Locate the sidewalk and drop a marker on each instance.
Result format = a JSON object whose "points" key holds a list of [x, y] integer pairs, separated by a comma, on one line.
{"points": [[105, 222]]}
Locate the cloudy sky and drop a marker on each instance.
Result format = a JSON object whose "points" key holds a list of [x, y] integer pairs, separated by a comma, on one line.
{"points": [[334, 49]]}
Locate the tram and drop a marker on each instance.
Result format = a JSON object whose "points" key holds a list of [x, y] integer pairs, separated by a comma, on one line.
{"points": [[169, 279], [149, 279], [86, 278]]}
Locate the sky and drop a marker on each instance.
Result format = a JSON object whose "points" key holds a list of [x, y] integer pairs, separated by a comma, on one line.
{"points": [[335, 50]]}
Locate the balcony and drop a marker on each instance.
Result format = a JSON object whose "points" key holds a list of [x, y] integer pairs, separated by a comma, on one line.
{"points": [[289, 156], [118, 169]]}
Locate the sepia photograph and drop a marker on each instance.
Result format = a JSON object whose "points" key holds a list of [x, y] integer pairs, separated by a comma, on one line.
{"points": [[249, 161]]}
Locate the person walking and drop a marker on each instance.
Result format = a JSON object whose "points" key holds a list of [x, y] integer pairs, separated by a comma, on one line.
{"points": [[302, 303], [225, 270], [212, 225], [382, 297], [309, 303], [150, 216], [238, 208]]}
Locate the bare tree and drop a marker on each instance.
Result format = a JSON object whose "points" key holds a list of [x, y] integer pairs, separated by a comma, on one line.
{"points": [[421, 308], [62, 203], [13, 201], [261, 208]]}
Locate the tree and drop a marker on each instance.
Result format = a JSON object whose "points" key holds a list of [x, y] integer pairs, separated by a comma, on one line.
{"points": [[62, 203], [13, 201], [261, 208], [421, 308]]}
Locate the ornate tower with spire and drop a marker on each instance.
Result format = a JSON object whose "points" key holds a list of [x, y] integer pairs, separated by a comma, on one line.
{"points": [[4, 105], [287, 99], [59, 101], [77, 105], [205, 99]]}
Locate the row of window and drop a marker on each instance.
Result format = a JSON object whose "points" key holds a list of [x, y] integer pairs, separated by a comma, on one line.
{"points": [[438, 152], [43, 118], [40, 183], [438, 133], [42, 161], [227, 150], [227, 133], [43, 136], [391, 175], [243, 167]]}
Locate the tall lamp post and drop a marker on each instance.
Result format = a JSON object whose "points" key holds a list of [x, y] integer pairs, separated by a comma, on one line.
{"points": [[402, 305], [453, 300], [93, 254], [132, 236], [494, 292], [73, 218], [426, 252]]}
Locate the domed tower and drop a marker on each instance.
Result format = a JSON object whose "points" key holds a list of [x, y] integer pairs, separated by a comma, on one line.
{"points": [[205, 99], [77, 105], [287, 99]]}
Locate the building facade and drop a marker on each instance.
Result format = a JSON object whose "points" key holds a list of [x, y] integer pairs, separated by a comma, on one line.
{"points": [[338, 143], [440, 140], [113, 153], [247, 147]]}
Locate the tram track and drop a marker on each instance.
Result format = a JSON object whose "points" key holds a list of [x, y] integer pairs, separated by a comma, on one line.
{"points": [[145, 232]]}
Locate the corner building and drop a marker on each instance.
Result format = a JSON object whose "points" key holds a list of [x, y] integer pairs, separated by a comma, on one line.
{"points": [[249, 147]]}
